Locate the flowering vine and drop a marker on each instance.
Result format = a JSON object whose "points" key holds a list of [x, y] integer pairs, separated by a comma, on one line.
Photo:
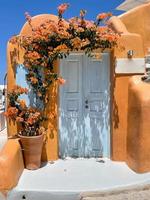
{"points": [[55, 40]]}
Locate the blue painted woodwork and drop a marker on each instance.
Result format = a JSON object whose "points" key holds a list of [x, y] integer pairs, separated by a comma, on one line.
{"points": [[84, 127]]}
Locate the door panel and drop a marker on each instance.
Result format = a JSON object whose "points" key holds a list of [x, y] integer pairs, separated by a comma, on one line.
{"points": [[84, 107], [71, 107], [96, 112]]}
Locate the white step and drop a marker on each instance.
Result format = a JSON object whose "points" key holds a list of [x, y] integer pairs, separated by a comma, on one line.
{"points": [[72, 178]]}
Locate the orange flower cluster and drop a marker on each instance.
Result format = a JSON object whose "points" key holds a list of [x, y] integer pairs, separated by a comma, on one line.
{"points": [[89, 24], [11, 112], [14, 39], [34, 80], [62, 8], [22, 103], [111, 37], [80, 24], [19, 90], [47, 28], [19, 119], [103, 16], [62, 48], [61, 81], [106, 34], [33, 55], [33, 118], [76, 42]]}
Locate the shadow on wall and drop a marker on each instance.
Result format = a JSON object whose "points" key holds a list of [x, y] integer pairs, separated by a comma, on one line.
{"points": [[115, 115], [14, 56]]}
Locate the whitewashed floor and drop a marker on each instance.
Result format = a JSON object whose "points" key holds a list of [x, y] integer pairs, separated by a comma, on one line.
{"points": [[68, 179]]}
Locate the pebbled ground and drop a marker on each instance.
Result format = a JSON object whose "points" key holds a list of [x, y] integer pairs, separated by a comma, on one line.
{"points": [[139, 193]]}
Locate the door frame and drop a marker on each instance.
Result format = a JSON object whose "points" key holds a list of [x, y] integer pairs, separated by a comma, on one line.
{"points": [[111, 96]]}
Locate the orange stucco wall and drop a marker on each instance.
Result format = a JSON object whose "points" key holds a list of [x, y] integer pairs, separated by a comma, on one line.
{"points": [[128, 41], [137, 21], [119, 116], [138, 156], [11, 164], [138, 140]]}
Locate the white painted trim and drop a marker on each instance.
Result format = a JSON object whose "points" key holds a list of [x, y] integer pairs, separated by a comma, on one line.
{"points": [[130, 66], [130, 4]]}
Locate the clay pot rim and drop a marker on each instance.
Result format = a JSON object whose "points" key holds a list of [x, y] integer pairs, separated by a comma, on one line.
{"points": [[34, 136]]}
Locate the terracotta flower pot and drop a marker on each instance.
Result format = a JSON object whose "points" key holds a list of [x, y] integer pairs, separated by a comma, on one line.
{"points": [[32, 150]]}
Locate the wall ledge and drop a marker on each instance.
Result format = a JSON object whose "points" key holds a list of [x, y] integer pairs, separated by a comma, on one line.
{"points": [[130, 66]]}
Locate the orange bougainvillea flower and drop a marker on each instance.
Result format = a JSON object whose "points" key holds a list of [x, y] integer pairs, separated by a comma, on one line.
{"points": [[33, 80], [13, 39], [61, 47], [19, 119], [62, 8], [11, 112], [89, 24], [61, 81], [110, 37], [76, 42], [33, 117], [32, 55], [102, 16], [22, 103], [19, 90], [30, 120]]}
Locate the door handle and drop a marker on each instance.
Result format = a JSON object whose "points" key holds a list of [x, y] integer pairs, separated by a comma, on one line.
{"points": [[86, 104], [86, 101]]}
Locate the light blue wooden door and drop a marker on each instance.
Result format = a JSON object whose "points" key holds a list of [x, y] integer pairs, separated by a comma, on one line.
{"points": [[84, 107]]}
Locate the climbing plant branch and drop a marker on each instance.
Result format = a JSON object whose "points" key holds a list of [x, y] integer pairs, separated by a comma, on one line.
{"points": [[53, 40]]}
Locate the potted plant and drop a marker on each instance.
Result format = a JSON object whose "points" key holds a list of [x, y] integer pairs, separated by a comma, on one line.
{"points": [[29, 121]]}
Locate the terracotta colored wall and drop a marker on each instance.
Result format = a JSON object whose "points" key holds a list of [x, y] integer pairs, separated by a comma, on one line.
{"points": [[11, 76], [131, 98], [137, 21], [138, 140], [11, 164], [50, 150], [127, 41], [119, 119]]}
